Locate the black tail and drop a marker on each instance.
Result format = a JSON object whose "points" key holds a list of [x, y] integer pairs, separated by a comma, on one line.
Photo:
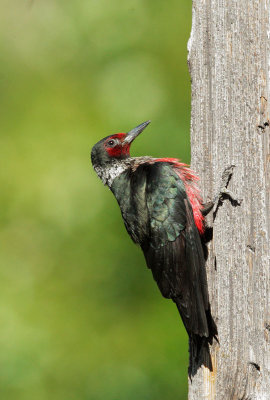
{"points": [[199, 351]]}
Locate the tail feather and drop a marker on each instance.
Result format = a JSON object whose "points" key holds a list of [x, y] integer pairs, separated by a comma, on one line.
{"points": [[199, 354], [199, 351]]}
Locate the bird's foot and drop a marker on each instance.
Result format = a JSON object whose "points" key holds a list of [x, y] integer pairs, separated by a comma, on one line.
{"points": [[223, 194]]}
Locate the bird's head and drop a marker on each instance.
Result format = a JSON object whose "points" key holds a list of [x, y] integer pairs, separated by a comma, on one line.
{"points": [[115, 147]]}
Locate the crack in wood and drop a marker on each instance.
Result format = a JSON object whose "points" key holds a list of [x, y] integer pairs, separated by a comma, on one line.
{"points": [[264, 125], [251, 248], [255, 365]]}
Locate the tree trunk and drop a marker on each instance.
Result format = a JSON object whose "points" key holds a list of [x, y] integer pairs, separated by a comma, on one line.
{"points": [[229, 60]]}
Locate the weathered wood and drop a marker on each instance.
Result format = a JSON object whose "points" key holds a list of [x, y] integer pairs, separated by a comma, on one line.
{"points": [[229, 60]]}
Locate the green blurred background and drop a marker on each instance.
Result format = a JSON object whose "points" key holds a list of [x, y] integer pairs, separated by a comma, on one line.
{"points": [[80, 314]]}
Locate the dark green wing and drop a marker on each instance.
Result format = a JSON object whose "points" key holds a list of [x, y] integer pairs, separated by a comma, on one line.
{"points": [[173, 247], [159, 217]]}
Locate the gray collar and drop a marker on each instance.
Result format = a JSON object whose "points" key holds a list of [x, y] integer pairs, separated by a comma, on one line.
{"points": [[117, 167]]}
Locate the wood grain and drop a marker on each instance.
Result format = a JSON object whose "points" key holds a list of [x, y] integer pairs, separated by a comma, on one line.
{"points": [[229, 61]]}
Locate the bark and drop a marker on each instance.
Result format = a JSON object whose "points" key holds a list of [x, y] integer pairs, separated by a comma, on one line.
{"points": [[229, 60]]}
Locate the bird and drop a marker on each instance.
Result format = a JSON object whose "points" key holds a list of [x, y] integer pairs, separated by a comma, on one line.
{"points": [[162, 210]]}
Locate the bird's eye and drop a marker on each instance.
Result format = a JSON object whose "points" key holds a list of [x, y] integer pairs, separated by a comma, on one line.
{"points": [[111, 143]]}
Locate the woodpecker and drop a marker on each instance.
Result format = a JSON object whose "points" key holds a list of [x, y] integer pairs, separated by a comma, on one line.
{"points": [[162, 211]]}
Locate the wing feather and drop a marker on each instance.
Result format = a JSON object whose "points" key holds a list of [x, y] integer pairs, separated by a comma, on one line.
{"points": [[173, 250], [158, 216]]}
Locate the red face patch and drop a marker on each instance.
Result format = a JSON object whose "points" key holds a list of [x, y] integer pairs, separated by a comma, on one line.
{"points": [[114, 146]]}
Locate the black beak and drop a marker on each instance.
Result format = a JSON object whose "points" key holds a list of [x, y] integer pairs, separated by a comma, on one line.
{"points": [[131, 135]]}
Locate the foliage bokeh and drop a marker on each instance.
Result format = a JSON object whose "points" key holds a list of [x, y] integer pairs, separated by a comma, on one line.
{"points": [[81, 317]]}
